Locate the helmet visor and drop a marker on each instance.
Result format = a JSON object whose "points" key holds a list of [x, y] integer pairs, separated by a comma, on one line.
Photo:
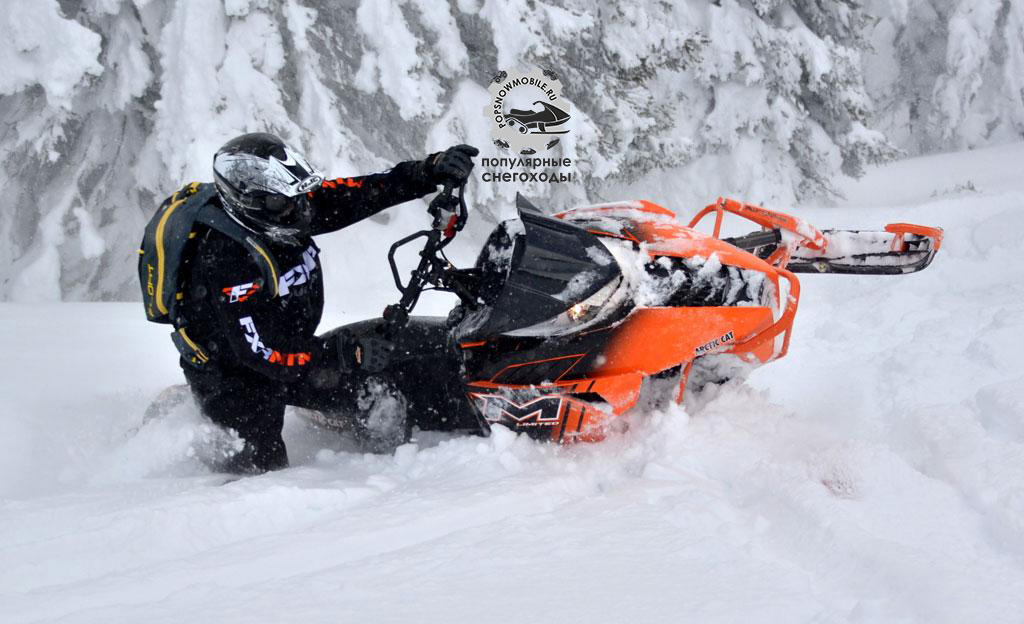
{"points": [[281, 210]]}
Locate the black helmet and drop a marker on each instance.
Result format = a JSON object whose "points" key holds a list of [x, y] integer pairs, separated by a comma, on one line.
{"points": [[263, 184]]}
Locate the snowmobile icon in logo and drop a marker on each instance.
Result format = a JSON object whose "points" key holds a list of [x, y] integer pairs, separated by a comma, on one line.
{"points": [[526, 120], [526, 131]]}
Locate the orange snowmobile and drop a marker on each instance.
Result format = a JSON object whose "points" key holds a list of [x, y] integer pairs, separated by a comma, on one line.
{"points": [[564, 317]]}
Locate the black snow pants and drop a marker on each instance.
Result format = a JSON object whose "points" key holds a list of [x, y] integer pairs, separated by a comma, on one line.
{"points": [[238, 398]]}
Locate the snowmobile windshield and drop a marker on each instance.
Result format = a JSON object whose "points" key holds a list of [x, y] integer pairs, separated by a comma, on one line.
{"points": [[537, 267]]}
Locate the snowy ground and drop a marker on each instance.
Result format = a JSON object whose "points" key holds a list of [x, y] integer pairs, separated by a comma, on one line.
{"points": [[874, 475]]}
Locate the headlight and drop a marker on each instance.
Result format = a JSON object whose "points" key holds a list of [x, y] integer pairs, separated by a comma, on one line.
{"points": [[577, 311]]}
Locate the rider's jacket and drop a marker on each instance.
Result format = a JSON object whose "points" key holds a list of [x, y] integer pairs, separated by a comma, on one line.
{"points": [[235, 319]]}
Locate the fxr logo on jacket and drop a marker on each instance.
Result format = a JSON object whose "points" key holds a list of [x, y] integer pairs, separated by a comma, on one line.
{"points": [[299, 274], [241, 292], [270, 355]]}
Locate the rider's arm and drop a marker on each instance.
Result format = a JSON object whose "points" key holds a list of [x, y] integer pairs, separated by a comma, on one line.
{"points": [[261, 334], [343, 201]]}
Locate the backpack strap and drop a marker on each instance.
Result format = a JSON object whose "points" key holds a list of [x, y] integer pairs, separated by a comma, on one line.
{"points": [[214, 217], [168, 242]]}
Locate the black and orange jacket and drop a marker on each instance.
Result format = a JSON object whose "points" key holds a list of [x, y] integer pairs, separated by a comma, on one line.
{"points": [[237, 319]]}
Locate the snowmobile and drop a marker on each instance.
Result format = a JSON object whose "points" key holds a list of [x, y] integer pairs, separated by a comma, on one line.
{"points": [[563, 318], [549, 115]]}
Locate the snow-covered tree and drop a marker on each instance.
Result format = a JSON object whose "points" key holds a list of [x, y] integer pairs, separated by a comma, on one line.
{"points": [[762, 98], [947, 74], [108, 105]]}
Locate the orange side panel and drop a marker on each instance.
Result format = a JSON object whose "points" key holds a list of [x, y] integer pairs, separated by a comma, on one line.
{"points": [[654, 339], [582, 423], [572, 419], [621, 391]]}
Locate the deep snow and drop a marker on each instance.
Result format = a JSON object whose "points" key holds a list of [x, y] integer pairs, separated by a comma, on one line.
{"points": [[876, 474]]}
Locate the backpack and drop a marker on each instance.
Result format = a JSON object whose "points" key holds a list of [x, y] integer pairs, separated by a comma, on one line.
{"points": [[168, 244]]}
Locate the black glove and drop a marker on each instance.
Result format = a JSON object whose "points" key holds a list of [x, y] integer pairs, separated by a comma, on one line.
{"points": [[370, 354], [452, 165]]}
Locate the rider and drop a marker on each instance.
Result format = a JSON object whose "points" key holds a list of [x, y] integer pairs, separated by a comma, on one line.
{"points": [[261, 352]]}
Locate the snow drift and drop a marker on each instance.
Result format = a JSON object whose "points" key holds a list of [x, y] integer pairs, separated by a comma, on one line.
{"points": [[876, 474]]}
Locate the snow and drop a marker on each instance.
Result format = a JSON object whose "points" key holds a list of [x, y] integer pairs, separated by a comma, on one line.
{"points": [[92, 242], [946, 75], [394, 65], [578, 285], [875, 474], [41, 47]]}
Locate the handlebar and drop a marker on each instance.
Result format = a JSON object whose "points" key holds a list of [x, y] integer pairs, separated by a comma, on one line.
{"points": [[449, 210], [449, 217]]}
